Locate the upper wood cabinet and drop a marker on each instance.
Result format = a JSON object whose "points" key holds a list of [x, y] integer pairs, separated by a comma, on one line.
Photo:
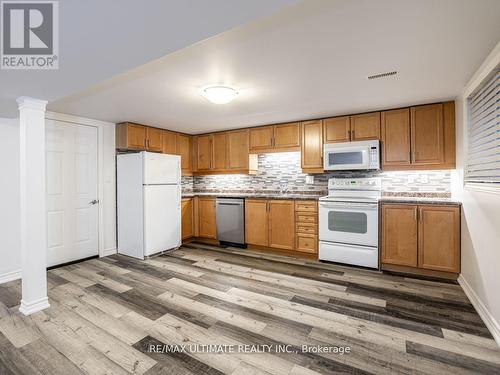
{"points": [[286, 135], [169, 142], [312, 146], [276, 138], [282, 224], [399, 235], [421, 137], [256, 222], [204, 152], [427, 131], [154, 139], [395, 126], [365, 126], [206, 218], [187, 209], [219, 144], [184, 146], [337, 129], [423, 238], [261, 138], [237, 145], [130, 136], [361, 127], [439, 238]]}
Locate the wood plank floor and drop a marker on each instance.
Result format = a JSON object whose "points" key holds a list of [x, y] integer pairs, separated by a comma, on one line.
{"points": [[106, 314]]}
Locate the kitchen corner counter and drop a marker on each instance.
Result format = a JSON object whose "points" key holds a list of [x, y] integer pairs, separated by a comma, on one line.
{"points": [[269, 195], [419, 200]]}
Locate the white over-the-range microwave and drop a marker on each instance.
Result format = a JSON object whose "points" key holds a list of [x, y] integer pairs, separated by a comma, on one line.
{"points": [[351, 155]]}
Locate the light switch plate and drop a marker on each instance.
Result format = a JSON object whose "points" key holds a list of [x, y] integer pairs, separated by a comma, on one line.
{"points": [[309, 179]]}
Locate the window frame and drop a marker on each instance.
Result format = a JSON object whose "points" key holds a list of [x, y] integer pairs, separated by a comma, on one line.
{"points": [[475, 85]]}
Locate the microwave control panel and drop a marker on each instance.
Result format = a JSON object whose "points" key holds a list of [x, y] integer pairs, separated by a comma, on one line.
{"points": [[374, 159]]}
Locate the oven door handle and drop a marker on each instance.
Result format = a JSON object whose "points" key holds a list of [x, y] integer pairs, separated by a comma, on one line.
{"points": [[349, 205]]}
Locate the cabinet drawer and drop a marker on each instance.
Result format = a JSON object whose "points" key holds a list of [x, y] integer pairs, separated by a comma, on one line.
{"points": [[306, 206], [307, 228], [307, 243], [304, 217]]}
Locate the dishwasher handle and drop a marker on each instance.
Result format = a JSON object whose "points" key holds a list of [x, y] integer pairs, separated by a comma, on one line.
{"points": [[229, 204]]}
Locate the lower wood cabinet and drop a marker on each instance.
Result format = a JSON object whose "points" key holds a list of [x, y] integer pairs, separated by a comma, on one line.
{"points": [[306, 226], [207, 226], [423, 239], [187, 209], [256, 222], [282, 224]]}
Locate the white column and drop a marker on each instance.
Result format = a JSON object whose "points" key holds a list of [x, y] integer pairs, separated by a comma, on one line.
{"points": [[33, 222]]}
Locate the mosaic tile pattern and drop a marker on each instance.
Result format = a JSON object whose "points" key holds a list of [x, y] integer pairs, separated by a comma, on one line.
{"points": [[281, 172]]}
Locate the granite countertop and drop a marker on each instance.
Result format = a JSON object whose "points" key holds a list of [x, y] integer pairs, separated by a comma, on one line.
{"points": [[420, 200], [264, 195], [390, 198]]}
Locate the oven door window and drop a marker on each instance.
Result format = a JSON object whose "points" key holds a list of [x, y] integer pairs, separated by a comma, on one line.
{"points": [[345, 158], [350, 222]]}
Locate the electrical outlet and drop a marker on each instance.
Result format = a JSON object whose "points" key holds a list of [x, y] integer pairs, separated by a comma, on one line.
{"points": [[411, 179], [309, 180], [424, 179]]}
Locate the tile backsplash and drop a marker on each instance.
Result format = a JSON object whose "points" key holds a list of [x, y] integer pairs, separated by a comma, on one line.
{"points": [[278, 171]]}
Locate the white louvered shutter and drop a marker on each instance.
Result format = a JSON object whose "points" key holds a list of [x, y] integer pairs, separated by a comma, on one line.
{"points": [[483, 150]]}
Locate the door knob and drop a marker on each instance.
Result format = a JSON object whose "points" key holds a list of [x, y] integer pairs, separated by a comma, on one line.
{"points": [[95, 201]]}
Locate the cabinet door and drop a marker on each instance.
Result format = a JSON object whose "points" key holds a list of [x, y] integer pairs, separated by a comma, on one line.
{"points": [[399, 235], [206, 214], [365, 127], [169, 142], [282, 224], [238, 149], [205, 152], [286, 135], [312, 145], [396, 137], [261, 138], [130, 136], [187, 218], [337, 129], [427, 134], [256, 222], [219, 151], [439, 238], [154, 139], [184, 150]]}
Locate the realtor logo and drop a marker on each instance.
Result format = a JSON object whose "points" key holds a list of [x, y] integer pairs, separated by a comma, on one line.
{"points": [[29, 37]]}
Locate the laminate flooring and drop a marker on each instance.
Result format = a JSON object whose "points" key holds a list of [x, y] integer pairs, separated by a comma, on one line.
{"points": [[233, 311]]}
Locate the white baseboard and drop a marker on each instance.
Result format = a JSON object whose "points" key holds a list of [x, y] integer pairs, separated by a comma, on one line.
{"points": [[483, 312], [107, 252], [10, 276], [28, 308]]}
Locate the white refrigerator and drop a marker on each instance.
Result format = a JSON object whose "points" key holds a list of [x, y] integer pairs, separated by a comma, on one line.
{"points": [[148, 203]]}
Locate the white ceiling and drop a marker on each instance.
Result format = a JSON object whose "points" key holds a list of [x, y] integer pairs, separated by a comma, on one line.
{"points": [[101, 38], [308, 60]]}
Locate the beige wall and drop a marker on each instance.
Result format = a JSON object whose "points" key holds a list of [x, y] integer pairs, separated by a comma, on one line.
{"points": [[480, 223]]}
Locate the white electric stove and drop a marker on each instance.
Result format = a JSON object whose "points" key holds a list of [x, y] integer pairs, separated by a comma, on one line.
{"points": [[348, 221]]}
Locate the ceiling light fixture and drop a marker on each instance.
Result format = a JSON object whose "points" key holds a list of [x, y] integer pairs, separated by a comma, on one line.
{"points": [[219, 94]]}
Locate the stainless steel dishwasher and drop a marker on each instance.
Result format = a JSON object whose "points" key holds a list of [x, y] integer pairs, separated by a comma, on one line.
{"points": [[230, 216]]}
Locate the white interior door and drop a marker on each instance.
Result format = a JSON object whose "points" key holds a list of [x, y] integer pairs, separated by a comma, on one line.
{"points": [[71, 191]]}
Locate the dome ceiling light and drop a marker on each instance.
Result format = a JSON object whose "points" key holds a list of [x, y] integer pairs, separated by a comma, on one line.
{"points": [[219, 94]]}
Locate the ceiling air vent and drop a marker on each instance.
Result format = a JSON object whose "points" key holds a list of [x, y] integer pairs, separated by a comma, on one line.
{"points": [[383, 75]]}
